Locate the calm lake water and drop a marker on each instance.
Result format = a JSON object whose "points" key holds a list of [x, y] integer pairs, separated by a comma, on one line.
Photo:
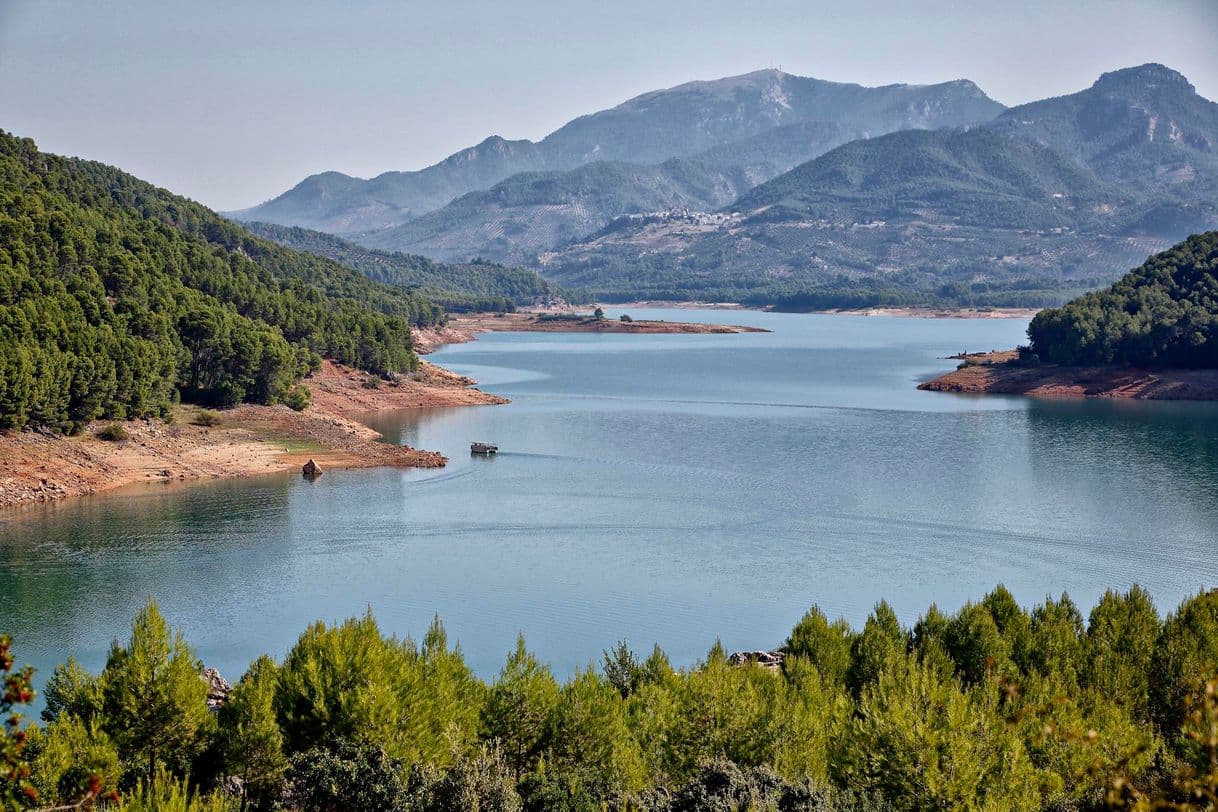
{"points": [[668, 489]]}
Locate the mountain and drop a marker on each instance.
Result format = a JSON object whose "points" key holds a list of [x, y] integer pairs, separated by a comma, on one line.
{"points": [[478, 286], [1161, 314], [699, 116], [678, 122], [117, 298], [1046, 199], [1143, 126], [991, 180], [532, 211], [334, 202]]}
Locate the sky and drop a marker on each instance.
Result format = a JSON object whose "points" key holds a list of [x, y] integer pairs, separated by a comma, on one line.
{"points": [[231, 102]]}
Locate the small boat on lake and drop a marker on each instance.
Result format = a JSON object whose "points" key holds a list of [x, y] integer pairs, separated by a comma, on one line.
{"points": [[483, 448]]}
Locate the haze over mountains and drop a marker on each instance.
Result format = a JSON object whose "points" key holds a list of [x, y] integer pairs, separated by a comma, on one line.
{"points": [[684, 121], [771, 188]]}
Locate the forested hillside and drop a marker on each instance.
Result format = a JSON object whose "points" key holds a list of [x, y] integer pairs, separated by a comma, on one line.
{"points": [[990, 179], [117, 298], [469, 286], [1162, 314], [993, 707]]}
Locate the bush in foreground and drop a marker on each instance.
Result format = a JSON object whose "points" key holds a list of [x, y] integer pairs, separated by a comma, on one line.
{"points": [[992, 707]]}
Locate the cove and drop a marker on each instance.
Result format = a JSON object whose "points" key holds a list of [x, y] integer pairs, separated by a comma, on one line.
{"points": [[668, 489]]}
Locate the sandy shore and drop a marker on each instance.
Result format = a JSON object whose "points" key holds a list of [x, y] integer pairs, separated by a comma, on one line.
{"points": [[464, 327], [249, 439], [993, 373]]}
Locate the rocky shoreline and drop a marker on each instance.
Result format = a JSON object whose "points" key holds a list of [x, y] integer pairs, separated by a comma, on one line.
{"points": [[999, 373], [40, 467]]}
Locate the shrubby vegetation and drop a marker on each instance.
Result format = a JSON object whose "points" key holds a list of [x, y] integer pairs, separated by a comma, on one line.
{"points": [[118, 298], [1162, 314], [992, 707]]}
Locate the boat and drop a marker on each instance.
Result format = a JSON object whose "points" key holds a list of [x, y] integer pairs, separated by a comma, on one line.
{"points": [[483, 448]]}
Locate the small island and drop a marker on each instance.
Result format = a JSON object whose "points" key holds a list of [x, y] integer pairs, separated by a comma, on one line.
{"points": [[1153, 335]]}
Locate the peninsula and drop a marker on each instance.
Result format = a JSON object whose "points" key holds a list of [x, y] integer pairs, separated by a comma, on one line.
{"points": [[463, 327], [1001, 373], [1153, 335], [247, 440]]}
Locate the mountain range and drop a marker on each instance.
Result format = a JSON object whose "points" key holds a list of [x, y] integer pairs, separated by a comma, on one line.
{"points": [[764, 122], [1048, 197], [772, 188]]}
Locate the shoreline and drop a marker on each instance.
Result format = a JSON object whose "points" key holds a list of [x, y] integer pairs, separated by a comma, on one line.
{"points": [[937, 312], [37, 468], [895, 312], [465, 327], [992, 373]]}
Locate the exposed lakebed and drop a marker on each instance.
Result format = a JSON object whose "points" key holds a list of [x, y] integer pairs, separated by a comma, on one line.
{"points": [[658, 488]]}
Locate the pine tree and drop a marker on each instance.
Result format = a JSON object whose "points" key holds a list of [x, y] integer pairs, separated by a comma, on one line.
{"points": [[825, 645], [1121, 635], [518, 707], [155, 701], [1185, 656], [251, 742]]}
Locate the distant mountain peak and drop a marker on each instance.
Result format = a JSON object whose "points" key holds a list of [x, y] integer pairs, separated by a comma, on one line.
{"points": [[968, 86], [679, 122], [1150, 77]]}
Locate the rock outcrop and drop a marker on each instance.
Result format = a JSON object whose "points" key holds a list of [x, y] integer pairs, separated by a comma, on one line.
{"points": [[218, 688], [771, 660]]}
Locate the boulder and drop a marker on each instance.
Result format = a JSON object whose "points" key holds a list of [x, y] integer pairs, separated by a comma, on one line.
{"points": [[311, 469], [218, 688], [771, 660]]}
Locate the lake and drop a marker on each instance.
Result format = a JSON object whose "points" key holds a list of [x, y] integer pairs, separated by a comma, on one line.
{"points": [[668, 488]]}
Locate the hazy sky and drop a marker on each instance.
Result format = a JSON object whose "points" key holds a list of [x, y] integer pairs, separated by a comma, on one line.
{"points": [[232, 102]]}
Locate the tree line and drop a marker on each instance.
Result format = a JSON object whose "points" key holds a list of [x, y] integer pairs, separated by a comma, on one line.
{"points": [[993, 707], [1161, 314], [475, 286], [118, 298]]}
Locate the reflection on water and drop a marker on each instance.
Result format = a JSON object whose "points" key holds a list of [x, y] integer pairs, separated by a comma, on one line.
{"points": [[660, 488]]}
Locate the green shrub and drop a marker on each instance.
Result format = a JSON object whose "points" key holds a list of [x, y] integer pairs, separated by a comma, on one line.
{"points": [[169, 794], [206, 417], [113, 433], [75, 761], [482, 780], [347, 776], [299, 397]]}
